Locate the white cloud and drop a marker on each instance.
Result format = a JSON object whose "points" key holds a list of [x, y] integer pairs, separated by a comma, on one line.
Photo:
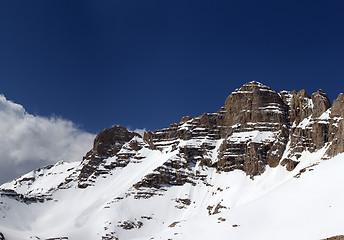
{"points": [[28, 142], [140, 131]]}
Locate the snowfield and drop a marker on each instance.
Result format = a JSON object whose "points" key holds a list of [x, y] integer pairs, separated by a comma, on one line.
{"points": [[275, 205]]}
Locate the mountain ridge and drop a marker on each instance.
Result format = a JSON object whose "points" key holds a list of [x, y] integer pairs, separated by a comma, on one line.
{"points": [[258, 134]]}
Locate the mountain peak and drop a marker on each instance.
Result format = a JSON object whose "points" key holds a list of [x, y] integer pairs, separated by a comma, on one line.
{"points": [[154, 187], [255, 83], [253, 86]]}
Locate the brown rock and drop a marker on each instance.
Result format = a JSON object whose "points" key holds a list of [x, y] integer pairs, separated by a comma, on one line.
{"points": [[321, 103], [338, 106], [287, 96], [185, 119], [337, 143], [106, 144], [300, 106], [338, 237], [254, 103], [289, 164], [252, 108], [109, 141]]}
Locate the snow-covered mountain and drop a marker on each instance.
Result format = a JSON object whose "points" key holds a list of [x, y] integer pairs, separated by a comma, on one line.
{"points": [[267, 165]]}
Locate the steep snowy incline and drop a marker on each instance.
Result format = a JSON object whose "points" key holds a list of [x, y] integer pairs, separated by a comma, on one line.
{"points": [[305, 208], [230, 204], [70, 209]]}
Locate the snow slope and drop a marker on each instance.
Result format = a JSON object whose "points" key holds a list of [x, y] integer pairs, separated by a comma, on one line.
{"points": [[275, 205]]}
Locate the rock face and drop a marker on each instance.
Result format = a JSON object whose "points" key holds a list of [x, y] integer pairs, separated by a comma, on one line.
{"points": [[335, 133], [339, 237], [107, 144], [321, 103], [256, 123], [251, 131], [257, 127]]}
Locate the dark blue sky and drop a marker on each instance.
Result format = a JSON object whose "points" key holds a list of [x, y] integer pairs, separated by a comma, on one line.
{"points": [[145, 64]]}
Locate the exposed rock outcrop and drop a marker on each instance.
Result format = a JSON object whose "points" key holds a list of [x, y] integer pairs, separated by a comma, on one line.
{"points": [[252, 128], [321, 103], [338, 237], [337, 109], [300, 106], [107, 144], [257, 127]]}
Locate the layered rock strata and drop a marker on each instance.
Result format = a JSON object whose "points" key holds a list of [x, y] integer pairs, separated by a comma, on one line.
{"points": [[108, 144], [257, 127]]}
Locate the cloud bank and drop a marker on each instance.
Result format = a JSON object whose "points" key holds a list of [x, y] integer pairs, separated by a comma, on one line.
{"points": [[28, 142]]}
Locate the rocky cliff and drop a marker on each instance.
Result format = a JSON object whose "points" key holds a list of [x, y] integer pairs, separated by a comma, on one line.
{"points": [[257, 127]]}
